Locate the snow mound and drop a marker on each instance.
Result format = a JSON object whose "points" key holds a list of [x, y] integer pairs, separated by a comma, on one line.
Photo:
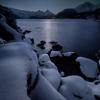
{"points": [[45, 91], [68, 54], [49, 70], [55, 54], [96, 90], [88, 67], [75, 88], [44, 59], [95, 86], [17, 60]]}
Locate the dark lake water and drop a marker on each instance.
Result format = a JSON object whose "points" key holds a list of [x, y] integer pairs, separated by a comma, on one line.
{"points": [[82, 36]]}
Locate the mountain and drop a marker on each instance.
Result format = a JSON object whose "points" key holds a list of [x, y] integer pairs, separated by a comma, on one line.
{"points": [[27, 14], [67, 13], [21, 13], [83, 11], [49, 13], [10, 17], [32, 14], [86, 7]]}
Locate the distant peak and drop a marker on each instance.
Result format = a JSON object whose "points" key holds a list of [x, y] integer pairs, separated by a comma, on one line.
{"points": [[48, 12]]}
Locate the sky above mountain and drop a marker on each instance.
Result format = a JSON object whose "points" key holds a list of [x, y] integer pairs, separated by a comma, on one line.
{"points": [[53, 5]]}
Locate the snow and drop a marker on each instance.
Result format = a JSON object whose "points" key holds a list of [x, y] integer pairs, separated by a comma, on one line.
{"points": [[55, 54], [2, 41], [45, 60], [96, 90], [88, 67], [68, 54], [16, 61], [75, 88], [45, 91], [49, 70]]}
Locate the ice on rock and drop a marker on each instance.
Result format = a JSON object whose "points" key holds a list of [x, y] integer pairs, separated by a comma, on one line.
{"points": [[75, 88], [88, 67], [49, 70]]}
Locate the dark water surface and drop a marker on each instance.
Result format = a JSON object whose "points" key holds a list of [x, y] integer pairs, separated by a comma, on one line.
{"points": [[82, 36]]}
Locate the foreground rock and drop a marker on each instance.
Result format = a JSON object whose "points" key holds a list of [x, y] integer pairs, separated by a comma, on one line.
{"points": [[75, 88], [49, 70], [17, 62], [88, 67]]}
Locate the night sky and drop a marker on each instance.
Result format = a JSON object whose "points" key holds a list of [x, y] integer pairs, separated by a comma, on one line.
{"points": [[53, 5]]}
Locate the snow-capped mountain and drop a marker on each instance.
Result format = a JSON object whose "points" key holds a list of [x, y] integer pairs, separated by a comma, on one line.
{"points": [[48, 13], [32, 14]]}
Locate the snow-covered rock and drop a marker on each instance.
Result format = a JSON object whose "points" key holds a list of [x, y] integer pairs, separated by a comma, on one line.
{"points": [[44, 60], [68, 54], [96, 90], [17, 60], [2, 41], [55, 54], [88, 67], [95, 86], [45, 91], [49, 70], [75, 88]]}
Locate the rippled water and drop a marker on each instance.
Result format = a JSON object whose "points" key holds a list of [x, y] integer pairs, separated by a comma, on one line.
{"points": [[82, 36]]}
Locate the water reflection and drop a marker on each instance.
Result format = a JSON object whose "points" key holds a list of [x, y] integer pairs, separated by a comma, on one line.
{"points": [[47, 29], [82, 36]]}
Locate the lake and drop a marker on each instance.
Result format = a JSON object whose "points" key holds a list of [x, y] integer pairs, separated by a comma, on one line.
{"points": [[82, 36]]}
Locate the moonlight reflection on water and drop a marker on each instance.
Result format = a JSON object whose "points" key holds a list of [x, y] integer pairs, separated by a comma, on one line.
{"points": [[82, 36]]}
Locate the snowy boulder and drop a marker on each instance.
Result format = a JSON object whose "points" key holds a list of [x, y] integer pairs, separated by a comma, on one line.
{"points": [[95, 86], [49, 70], [2, 41], [75, 88], [17, 60], [71, 55], [96, 90], [98, 77], [44, 60], [55, 54], [88, 67], [45, 91], [68, 54]]}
